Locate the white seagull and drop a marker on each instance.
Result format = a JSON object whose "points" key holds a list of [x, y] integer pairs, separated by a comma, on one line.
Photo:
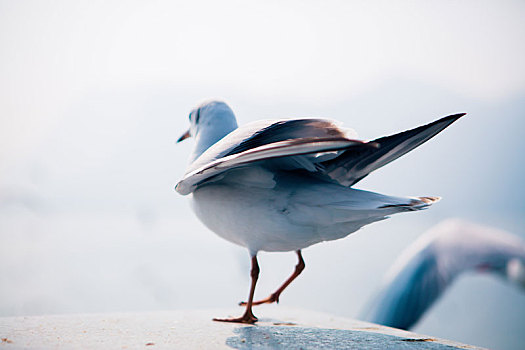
{"points": [[427, 267], [283, 185]]}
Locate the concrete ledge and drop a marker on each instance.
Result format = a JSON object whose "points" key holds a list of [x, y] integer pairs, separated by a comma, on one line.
{"points": [[278, 328]]}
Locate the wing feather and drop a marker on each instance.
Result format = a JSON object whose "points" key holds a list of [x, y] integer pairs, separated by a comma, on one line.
{"points": [[354, 164], [317, 146], [409, 294], [288, 148], [265, 132]]}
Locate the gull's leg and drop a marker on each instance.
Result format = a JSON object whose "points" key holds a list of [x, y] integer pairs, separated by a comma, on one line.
{"points": [[248, 316], [274, 297]]}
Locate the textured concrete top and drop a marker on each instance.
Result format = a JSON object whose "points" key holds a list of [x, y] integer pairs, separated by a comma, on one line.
{"points": [[278, 328]]}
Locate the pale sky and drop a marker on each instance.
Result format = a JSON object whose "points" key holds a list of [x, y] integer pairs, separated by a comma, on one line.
{"points": [[53, 53]]}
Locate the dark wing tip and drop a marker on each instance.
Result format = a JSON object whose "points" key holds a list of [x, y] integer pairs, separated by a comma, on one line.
{"points": [[453, 117], [443, 122]]}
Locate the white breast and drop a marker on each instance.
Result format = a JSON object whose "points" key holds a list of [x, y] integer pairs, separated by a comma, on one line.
{"points": [[254, 217]]}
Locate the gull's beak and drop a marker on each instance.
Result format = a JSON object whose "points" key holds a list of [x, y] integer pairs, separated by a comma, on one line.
{"points": [[184, 136]]}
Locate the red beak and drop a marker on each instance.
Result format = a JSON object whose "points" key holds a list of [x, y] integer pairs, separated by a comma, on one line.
{"points": [[184, 136]]}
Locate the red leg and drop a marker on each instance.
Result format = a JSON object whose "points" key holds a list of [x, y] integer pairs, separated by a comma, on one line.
{"points": [[274, 297], [248, 316]]}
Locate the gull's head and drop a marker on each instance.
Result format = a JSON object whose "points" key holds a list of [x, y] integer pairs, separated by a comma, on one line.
{"points": [[516, 272], [210, 115], [511, 268], [210, 121]]}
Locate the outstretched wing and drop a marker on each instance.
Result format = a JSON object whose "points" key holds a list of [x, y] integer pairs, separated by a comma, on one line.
{"points": [[424, 270], [291, 149], [265, 132], [292, 129], [354, 164], [409, 294], [318, 146]]}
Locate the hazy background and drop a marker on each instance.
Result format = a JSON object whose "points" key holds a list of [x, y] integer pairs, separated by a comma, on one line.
{"points": [[94, 94]]}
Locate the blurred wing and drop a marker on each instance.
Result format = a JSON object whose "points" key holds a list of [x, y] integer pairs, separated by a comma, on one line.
{"points": [[425, 269], [412, 291], [354, 164], [287, 150]]}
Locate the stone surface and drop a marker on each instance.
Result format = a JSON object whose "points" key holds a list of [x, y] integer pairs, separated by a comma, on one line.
{"points": [[278, 328]]}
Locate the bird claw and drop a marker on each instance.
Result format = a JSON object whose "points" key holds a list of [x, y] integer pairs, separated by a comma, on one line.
{"points": [[246, 318]]}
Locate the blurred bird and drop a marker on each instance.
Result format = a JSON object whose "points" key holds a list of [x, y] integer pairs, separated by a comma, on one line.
{"points": [[283, 185], [426, 268]]}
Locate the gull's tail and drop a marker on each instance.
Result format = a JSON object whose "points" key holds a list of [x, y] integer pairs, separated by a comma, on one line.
{"points": [[343, 210], [417, 203]]}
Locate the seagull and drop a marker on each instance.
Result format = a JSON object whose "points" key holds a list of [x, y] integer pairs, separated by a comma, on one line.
{"points": [[427, 267], [282, 185]]}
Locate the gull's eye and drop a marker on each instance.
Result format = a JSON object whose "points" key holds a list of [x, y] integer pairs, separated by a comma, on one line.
{"points": [[198, 115], [189, 117]]}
